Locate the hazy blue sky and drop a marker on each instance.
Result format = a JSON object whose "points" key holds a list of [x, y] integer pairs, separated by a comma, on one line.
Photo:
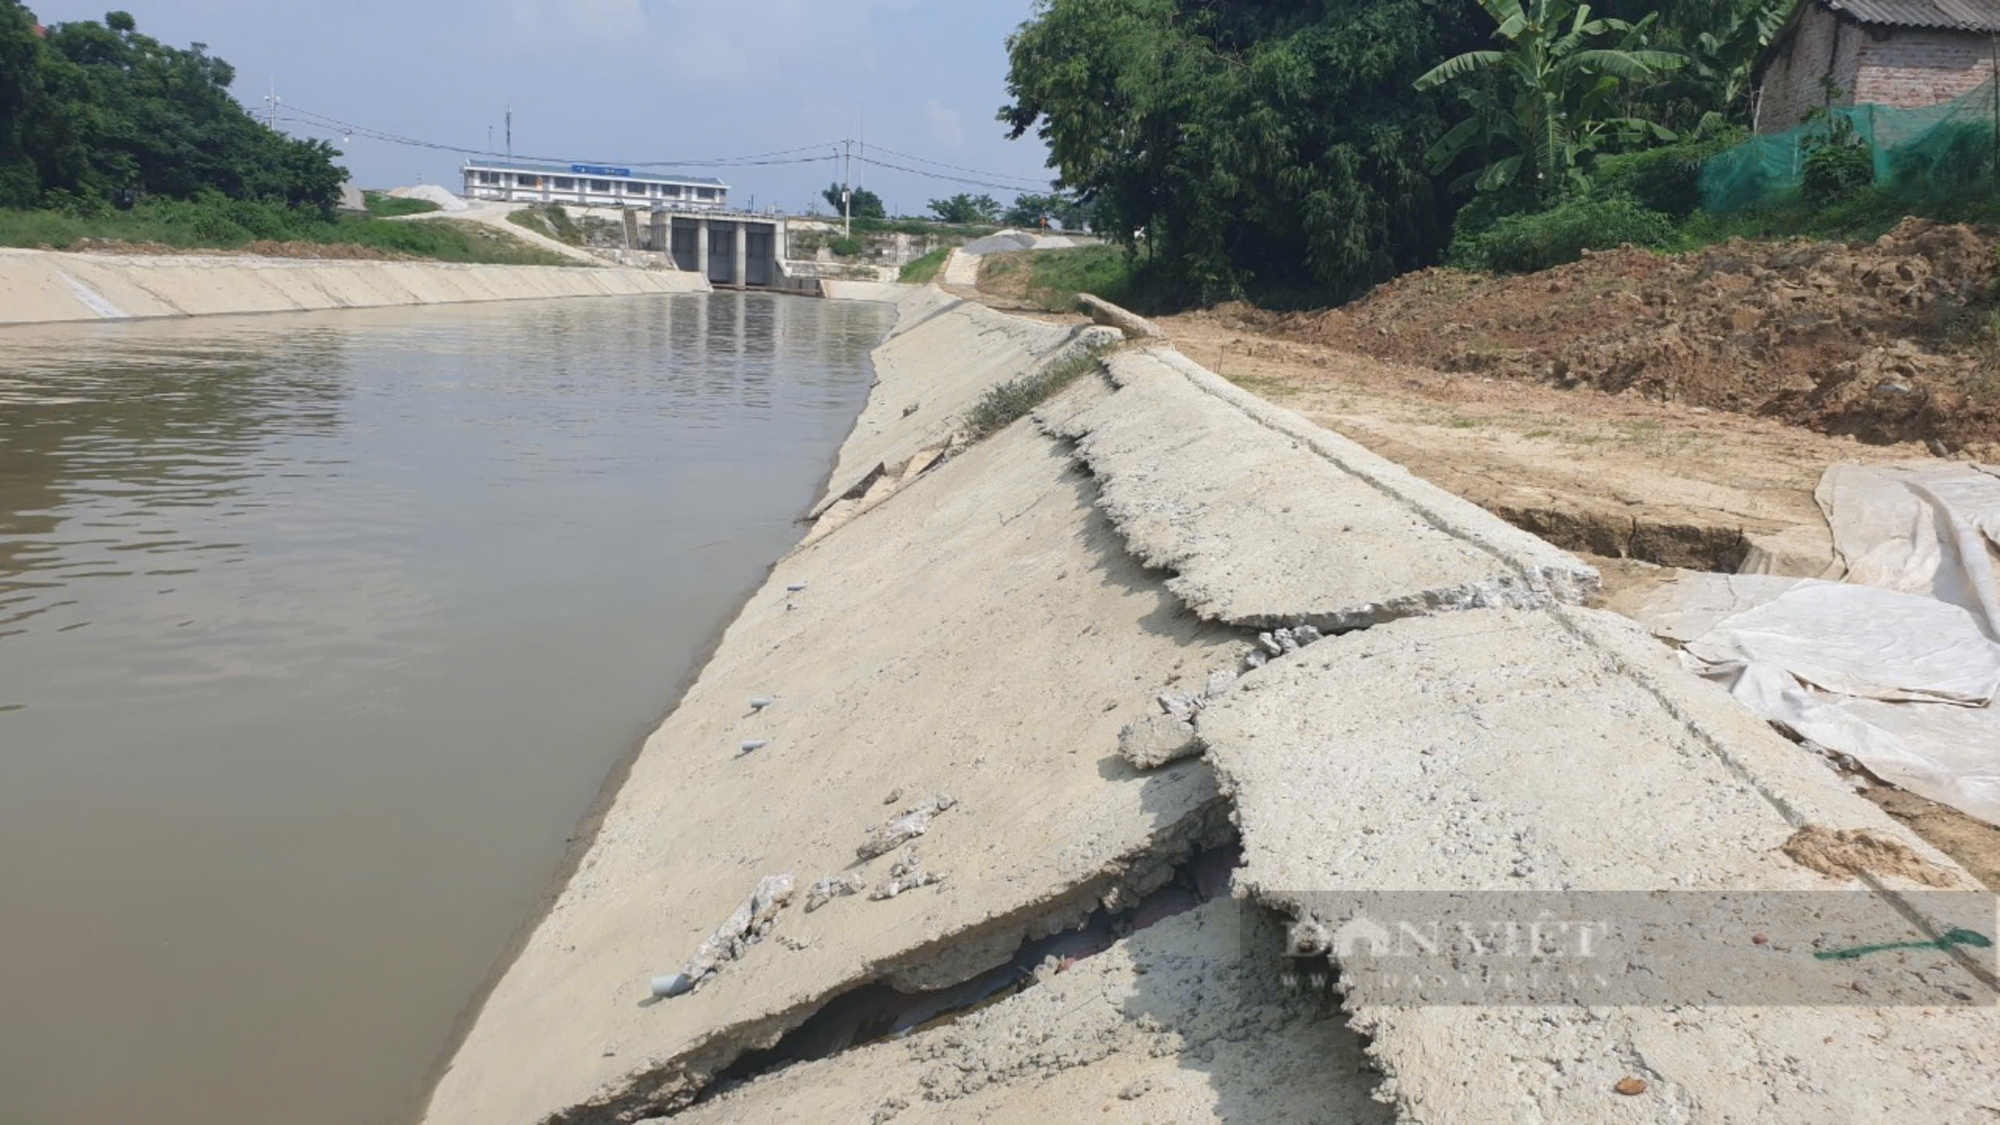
{"points": [[628, 80]]}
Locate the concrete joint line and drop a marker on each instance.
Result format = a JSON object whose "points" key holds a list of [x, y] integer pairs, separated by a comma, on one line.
{"points": [[91, 298]]}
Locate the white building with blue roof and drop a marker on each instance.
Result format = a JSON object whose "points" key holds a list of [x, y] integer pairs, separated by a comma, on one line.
{"points": [[592, 185]]}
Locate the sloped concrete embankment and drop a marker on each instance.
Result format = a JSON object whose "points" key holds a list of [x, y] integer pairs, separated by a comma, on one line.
{"points": [[42, 286], [908, 771]]}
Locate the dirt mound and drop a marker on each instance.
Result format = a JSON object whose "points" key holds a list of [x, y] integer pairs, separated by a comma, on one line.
{"points": [[1893, 340]]}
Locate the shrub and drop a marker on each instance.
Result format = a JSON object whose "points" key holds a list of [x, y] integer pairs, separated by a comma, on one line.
{"points": [[847, 247], [1665, 179], [1526, 243], [1836, 171], [1012, 400]]}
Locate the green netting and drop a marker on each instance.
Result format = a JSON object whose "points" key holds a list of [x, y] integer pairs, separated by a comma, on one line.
{"points": [[1924, 153]]}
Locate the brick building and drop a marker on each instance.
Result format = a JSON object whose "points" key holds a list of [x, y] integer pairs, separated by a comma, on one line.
{"points": [[1902, 53]]}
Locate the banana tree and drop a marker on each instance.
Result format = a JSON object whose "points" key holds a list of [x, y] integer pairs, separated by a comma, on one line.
{"points": [[1558, 91]]}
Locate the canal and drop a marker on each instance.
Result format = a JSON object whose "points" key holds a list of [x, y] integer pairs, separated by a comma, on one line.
{"points": [[319, 634]]}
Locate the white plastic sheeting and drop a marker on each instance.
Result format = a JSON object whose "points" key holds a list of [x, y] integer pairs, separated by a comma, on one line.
{"points": [[1898, 666]]}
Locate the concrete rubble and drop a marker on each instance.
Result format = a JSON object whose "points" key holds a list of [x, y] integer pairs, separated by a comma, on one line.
{"points": [[910, 824], [1106, 634]]}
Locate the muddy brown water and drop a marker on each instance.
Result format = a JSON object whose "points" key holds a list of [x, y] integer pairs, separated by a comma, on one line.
{"points": [[319, 634]]}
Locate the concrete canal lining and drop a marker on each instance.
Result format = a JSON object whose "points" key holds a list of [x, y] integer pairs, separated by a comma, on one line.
{"points": [[44, 286], [984, 628]]}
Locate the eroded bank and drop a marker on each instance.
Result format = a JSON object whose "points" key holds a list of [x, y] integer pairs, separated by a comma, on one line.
{"points": [[904, 762]]}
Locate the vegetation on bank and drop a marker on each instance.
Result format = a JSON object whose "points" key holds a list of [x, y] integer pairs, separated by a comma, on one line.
{"points": [[98, 114], [1008, 402], [385, 206], [924, 270], [212, 222], [1497, 134], [1054, 277], [551, 221]]}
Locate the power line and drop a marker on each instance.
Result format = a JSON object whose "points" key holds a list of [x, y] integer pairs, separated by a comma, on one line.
{"points": [[961, 168], [941, 176], [825, 151], [782, 156]]}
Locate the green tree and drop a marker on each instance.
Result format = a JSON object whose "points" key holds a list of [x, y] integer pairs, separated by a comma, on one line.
{"points": [[1257, 144], [1557, 93], [105, 113], [1716, 84], [966, 209], [867, 205], [1029, 209]]}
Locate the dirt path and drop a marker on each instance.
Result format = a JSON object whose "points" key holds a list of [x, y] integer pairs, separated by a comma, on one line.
{"points": [[494, 215]]}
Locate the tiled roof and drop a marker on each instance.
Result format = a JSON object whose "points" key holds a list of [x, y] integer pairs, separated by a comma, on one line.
{"points": [[1949, 15], [596, 171]]}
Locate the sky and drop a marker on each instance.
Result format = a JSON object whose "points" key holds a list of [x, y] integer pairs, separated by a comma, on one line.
{"points": [[632, 82]]}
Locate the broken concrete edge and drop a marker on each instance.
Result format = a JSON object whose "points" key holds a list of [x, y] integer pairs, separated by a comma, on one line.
{"points": [[1412, 1044], [883, 420], [885, 480], [666, 1086], [1134, 326], [1548, 572]]}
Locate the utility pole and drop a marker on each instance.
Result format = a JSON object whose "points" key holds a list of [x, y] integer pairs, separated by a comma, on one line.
{"points": [[272, 98], [510, 131], [847, 192]]}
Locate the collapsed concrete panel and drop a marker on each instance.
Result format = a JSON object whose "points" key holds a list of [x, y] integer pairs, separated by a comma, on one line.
{"points": [[1564, 752], [943, 356], [982, 638], [1268, 520], [1196, 1019]]}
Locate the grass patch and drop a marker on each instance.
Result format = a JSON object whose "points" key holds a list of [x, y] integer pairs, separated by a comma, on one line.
{"points": [[924, 270], [1008, 402], [1057, 276], [384, 206], [215, 223], [1868, 215], [549, 222], [918, 226]]}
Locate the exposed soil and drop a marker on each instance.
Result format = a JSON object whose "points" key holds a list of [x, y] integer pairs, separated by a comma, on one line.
{"points": [[1848, 852], [1888, 341], [1611, 476]]}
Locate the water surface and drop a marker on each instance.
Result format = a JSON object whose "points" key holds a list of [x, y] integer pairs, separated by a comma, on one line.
{"points": [[319, 633]]}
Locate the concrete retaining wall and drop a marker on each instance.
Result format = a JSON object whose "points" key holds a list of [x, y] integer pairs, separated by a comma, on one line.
{"points": [[922, 720], [40, 286]]}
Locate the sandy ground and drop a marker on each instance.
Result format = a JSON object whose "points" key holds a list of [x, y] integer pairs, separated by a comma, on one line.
{"points": [[494, 214]]}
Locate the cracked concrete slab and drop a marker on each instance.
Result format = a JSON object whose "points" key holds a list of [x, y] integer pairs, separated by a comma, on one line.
{"points": [[1194, 1020], [1267, 520], [1563, 750], [943, 356], [984, 635]]}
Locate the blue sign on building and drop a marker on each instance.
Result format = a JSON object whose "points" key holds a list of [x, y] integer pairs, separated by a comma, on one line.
{"points": [[598, 170]]}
